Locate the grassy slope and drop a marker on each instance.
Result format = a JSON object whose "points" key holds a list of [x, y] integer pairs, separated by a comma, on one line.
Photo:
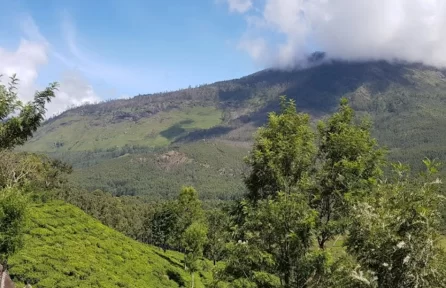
{"points": [[67, 248], [88, 132]]}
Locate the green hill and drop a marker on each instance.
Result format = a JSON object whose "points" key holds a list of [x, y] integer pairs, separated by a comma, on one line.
{"points": [[406, 103], [67, 248]]}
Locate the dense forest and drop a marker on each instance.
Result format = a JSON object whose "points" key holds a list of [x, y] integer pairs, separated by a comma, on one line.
{"points": [[321, 205]]}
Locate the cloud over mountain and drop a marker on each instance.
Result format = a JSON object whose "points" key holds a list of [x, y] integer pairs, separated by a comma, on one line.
{"points": [[283, 32]]}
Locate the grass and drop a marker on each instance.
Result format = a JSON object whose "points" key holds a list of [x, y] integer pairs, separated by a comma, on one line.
{"points": [[88, 132], [67, 248]]}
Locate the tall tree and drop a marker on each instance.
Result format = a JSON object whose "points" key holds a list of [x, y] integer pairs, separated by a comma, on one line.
{"points": [[282, 154], [348, 164], [163, 225], [18, 121], [188, 209], [301, 188], [280, 231], [194, 239], [218, 223]]}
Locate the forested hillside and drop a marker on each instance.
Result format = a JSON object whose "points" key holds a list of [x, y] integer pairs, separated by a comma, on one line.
{"points": [[404, 101], [215, 168]]}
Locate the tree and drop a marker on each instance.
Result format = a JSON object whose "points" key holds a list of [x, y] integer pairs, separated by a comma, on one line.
{"points": [[301, 188], [24, 170], [277, 241], [282, 154], [218, 223], [394, 234], [163, 225], [12, 222], [348, 164], [18, 121], [249, 267], [188, 209], [194, 239]]}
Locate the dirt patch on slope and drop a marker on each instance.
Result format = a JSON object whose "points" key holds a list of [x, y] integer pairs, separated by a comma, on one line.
{"points": [[172, 159]]}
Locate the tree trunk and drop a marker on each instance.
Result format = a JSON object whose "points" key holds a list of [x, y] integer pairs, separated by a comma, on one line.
{"points": [[192, 282]]}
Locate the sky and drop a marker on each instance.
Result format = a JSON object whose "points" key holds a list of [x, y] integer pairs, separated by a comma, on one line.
{"points": [[107, 49]]}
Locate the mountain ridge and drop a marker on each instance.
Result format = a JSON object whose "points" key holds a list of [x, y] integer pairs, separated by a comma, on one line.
{"points": [[404, 101]]}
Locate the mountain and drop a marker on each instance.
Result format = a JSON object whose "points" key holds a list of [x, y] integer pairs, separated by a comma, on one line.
{"points": [[406, 103], [67, 248]]}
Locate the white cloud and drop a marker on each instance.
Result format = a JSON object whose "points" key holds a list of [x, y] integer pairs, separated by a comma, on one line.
{"points": [[255, 47], [240, 6], [410, 30], [74, 90], [26, 61]]}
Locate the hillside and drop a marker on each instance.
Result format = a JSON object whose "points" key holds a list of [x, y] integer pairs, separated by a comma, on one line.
{"points": [[405, 102], [67, 248], [213, 168]]}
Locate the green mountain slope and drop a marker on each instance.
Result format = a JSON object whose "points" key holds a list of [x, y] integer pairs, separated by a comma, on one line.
{"points": [[67, 248], [406, 103], [214, 169]]}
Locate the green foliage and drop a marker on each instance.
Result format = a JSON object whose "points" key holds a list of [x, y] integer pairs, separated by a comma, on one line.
{"points": [[31, 172], [162, 225], [332, 173], [394, 234], [188, 210], [282, 154], [16, 129], [391, 227], [349, 163], [128, 215], [188, 207], [67, 248], [218, 225], [281, 230], [194, 239], [12, 222]]}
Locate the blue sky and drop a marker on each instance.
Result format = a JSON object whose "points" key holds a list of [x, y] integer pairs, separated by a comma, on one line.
{"points": [[130, 47]]}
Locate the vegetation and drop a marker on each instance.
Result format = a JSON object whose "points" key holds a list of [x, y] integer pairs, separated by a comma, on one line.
{"points": [[90, 132], [332, 185], [394, 234], [17, 123], [64, 247], [16, 129], [307, 187], [12, 222], [215, 169]]}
